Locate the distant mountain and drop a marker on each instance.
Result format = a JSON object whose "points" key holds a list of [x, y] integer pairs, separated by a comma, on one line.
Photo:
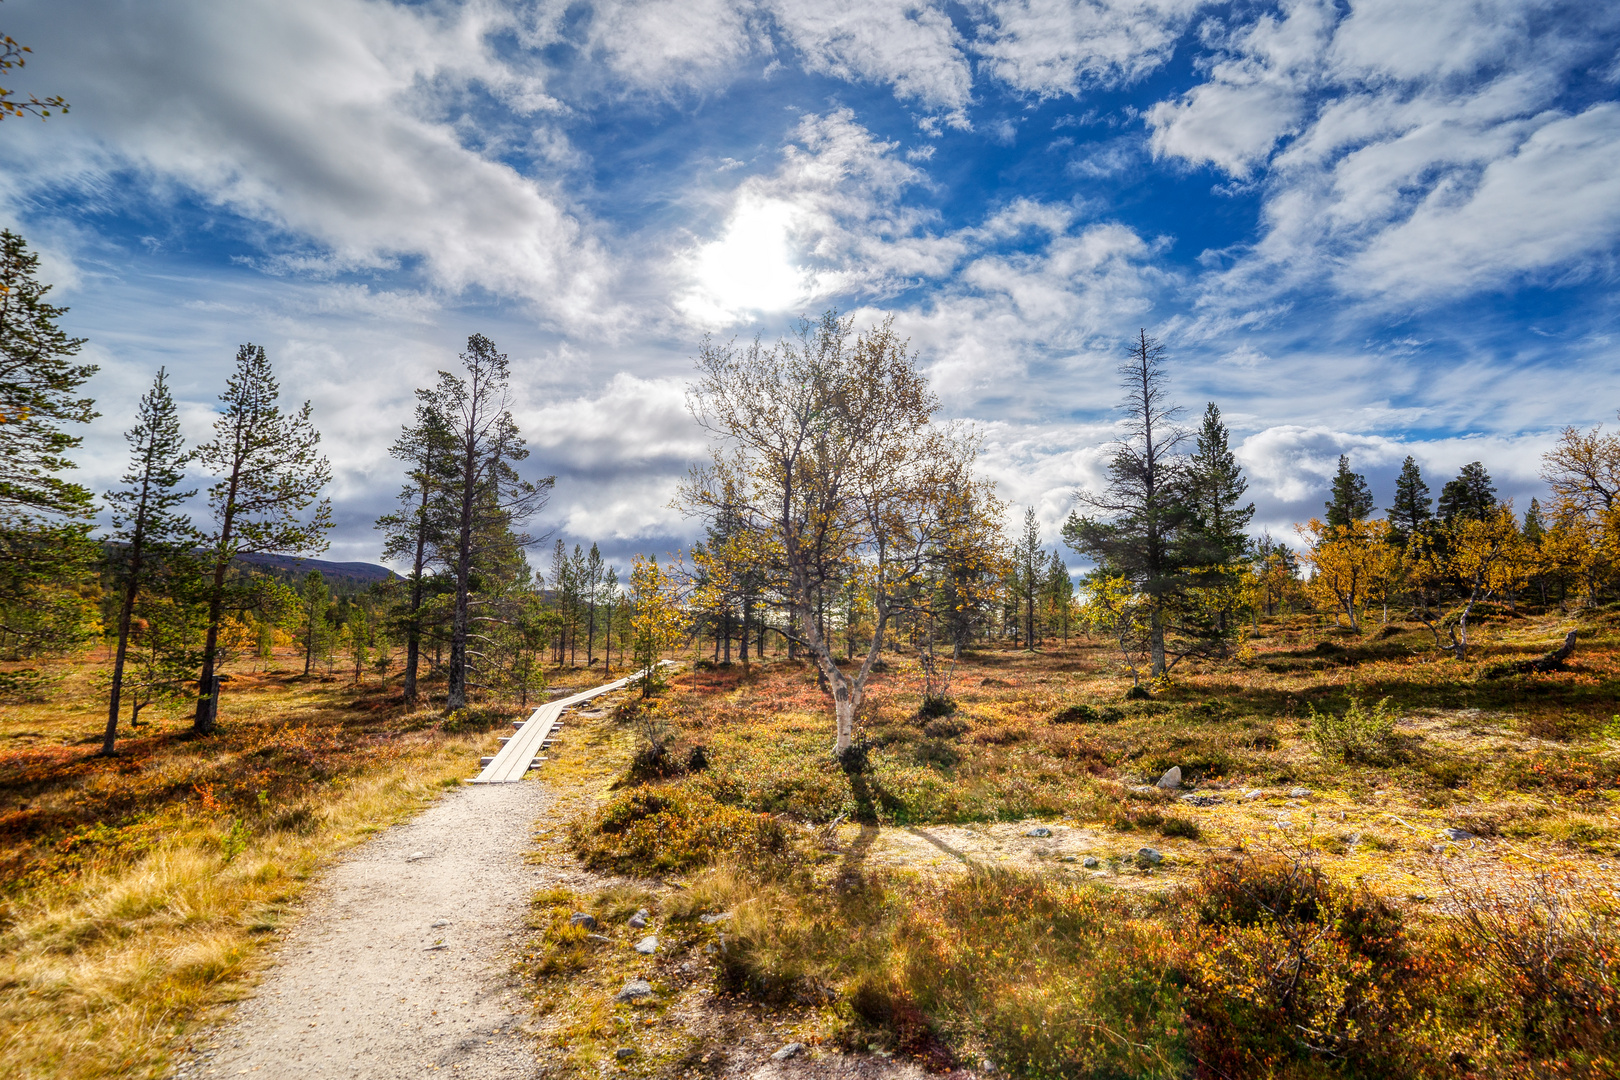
{"points": [[343, 577]]}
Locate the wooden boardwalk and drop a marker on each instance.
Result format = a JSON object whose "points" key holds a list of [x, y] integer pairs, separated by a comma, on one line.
{"points": [[520, 751]]}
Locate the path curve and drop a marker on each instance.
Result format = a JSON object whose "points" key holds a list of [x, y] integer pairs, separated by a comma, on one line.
{"points": [[367, 984]]}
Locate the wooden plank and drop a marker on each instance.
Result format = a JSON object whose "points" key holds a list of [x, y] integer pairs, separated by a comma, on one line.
{"points": [[523, 747]]}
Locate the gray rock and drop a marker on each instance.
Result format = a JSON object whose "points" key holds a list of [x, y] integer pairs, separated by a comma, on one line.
{"points": [[1457, 834], [1148, 855], [439, 924], [624, 1053], [1201, 800], [710, 920], [579, 918], [634, 990], [1299, 793], [1254, 794], [415, 855], [1068, 858], [647, 945], [1171, 777], [639, 919], [1143, 789], [791, 1050], [601, 938], [1040, 831], [987, 1066], [1091, 862]]}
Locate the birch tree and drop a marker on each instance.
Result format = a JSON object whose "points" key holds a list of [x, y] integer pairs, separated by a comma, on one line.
{"points": [[825, 449]]}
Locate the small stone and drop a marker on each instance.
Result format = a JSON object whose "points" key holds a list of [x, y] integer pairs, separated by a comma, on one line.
{"points": [[413, 856], [1068, 858], [1091, 862], [634, 990], [647, 945], [1148, 855], [1143, 789], [579, 918], [1040, 831], [639, 919], [1254, 794], [1171, 777], [439, 925], [1200, 800], [987, 1066], [791, 1050], [601, 938], [1299, 793], [1457, 834], [710, 920], [624, 1053]]}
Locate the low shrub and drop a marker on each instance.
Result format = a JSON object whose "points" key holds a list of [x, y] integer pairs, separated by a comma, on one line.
{"points": [[1086, 714], [651, 830], [1357, 734], [946, 727], [934, 705]]}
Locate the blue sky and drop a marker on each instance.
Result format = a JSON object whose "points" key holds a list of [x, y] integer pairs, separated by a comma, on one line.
{"points": [[1378, 228]]}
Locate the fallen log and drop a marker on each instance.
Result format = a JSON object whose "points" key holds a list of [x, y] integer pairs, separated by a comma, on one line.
{"points": [[1553, 661]]}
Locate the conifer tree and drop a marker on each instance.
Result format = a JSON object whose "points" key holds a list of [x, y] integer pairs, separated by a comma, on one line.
{"points": [[1133, 538], [1217, 526], [1029, 560], [1352, 499], [1410, 513], [314, 599], [270, 473], [488, 501], [414, 531], [147, 520], [44, 517], [1471, 495]]}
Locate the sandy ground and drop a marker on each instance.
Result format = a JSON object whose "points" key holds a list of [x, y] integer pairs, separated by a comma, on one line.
{"points": [[399, 965]]}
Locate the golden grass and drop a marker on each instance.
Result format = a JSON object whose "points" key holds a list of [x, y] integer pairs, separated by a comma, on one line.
{"points": [[145, 893]]}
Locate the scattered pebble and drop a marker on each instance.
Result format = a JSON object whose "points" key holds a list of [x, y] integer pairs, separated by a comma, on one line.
{"points": [[416, 855], [1091, 862], [1148, 855], [634, 990], [639, 919], [789, 1051], [1299, 793], [624, 1053], [1040, 831], [1201, 800], [1457, 834], [441, 924], [1171, 777], [579, 918], [1256, 793], [647, 945]]}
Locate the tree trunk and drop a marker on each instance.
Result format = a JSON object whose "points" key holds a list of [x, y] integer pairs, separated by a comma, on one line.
{"points": [[1156, 639], [126, 610], [204, 721]]}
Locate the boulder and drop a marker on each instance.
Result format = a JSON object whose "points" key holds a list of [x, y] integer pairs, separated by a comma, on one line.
{"points": [[634, 990], [638, 920], [1039, 832], [1171, 777], [1091, 862], [1150, 856], [1299, 793], [647, 945]]}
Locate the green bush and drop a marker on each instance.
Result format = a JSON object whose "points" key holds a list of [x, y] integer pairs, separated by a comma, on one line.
{"points": [[1357, 734], [652, 830]]}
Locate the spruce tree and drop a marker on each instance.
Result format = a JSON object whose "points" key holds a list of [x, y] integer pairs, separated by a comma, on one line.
{"points": [[1410, 512], [1534, 527], [1471, 495], [154, 534], [270, 475], [315, 597], [45, 545], [1212, 489], [1352, 499], [1029, 560]]}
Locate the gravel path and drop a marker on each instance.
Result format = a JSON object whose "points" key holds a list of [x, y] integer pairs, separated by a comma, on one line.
{"points": [[399, 964]]}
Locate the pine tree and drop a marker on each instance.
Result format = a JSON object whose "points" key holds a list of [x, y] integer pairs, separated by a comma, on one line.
{"points": [[270, 474], [489, 500], [45, 544], [314, 599], [592, 578], [1471, 495], [1352, 499], [413, 532], [1534, 527], [147, 520], [1140, 512], [1029, 560], [1410, 513]]}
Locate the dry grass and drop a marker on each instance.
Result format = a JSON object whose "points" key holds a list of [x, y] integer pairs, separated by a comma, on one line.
{"points": [[140, 893]]}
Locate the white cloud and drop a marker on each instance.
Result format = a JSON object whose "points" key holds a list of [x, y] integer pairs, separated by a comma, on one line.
{"points": [[1054, 47], [333, 120], [664, 45], [908, 44]]}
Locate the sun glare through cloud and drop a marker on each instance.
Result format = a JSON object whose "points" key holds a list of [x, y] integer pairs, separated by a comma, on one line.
{"points": [[750, 268]]}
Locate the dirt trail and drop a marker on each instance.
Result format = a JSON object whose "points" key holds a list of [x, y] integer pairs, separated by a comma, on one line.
{"points": [[399, 965]]}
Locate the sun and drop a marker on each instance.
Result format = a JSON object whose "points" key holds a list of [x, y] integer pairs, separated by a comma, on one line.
{"points": [[750, 267]]}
